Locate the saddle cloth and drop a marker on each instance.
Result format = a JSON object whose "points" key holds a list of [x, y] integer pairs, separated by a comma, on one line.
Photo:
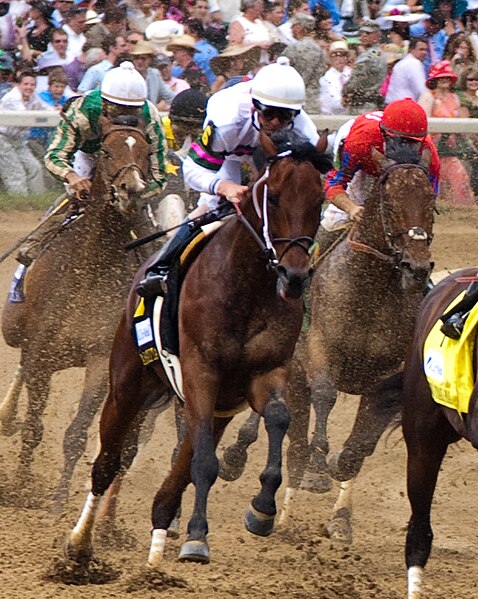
{"points": [[448, 363], [155, 321]]}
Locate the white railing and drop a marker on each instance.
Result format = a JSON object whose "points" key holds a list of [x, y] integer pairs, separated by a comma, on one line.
{"points": [[38, 118]]}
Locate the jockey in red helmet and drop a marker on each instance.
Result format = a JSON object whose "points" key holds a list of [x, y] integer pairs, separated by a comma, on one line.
{"points": [[394, 132]]}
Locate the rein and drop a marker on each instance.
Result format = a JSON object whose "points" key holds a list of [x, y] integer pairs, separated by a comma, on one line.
{"points": [[415, 233], [266, 243]]}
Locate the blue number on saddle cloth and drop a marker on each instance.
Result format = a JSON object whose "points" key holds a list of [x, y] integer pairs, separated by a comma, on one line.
{"points": [[143, 332], [448, 363]]}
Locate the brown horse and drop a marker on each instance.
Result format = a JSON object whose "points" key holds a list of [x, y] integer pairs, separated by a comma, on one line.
{"points": [[429, 428], [364, 298], [240, 314], [75, 292]]}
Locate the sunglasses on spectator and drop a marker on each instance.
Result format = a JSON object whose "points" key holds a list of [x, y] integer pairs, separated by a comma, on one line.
{"points": [[269, 113], [59, 41], [472, 78]]}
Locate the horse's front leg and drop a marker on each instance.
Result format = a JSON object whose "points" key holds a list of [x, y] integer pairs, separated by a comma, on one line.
{"points": [[122, 405], [270, 390]]}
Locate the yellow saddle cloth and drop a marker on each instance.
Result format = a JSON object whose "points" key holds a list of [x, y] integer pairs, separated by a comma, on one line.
{"points": [[448, 363]]}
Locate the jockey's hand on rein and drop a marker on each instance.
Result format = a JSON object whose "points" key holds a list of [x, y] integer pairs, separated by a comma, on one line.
{"points": [[356, 213], [231, 191], [81, 186]]}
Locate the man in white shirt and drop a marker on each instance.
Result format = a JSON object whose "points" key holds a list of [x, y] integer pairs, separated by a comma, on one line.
{"points": [[74, 27], [114, 47], [408, 75]]}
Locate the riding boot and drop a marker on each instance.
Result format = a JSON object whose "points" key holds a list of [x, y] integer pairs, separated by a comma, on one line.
{"points": [[16, 294], [157, 273], [454, 320]]}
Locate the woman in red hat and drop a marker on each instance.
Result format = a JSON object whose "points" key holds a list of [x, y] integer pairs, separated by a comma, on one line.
{"points": [[440, 101]]}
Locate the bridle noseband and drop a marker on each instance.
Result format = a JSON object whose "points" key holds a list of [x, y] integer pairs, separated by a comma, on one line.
{"points": [[266, 242]]}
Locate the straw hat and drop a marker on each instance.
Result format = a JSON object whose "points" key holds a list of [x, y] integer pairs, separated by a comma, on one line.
{"points": [[219, 64], [142, 48], [339, 47], [183, 42], [392, 53]]}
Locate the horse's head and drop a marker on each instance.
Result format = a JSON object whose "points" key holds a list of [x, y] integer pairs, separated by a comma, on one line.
{"points": [[287, 198], [405, 204], [123, 161]]}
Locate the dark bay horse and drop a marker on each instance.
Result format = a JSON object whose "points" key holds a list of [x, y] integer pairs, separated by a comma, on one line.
{"points": [[429, 428], [75, 292], [365, 294], [240, 314]]}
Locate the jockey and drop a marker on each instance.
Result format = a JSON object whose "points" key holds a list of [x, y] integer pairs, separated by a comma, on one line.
{"points": [[397, 132], [271, 101], [72, 151]]}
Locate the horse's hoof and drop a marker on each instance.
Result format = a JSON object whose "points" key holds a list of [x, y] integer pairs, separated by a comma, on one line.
{"points": [[344, 465], [339, 528], [194, 551], [80, 555], [232, 463], [316, 482], [173, 529], [257, 523]]}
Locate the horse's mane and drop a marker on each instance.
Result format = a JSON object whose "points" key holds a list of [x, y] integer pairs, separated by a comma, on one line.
{"points": [[301, 150], [401, 151]]}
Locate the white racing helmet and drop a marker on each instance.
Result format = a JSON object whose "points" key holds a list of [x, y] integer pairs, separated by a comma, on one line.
{"points": [[279, 85], [124, 85]]}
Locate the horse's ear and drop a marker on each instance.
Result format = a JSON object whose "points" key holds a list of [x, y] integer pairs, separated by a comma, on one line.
{"points": [[426, 157], [321, 145], [267, 145]]}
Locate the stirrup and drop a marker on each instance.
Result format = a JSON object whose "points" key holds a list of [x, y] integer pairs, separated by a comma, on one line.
{"points": [[453, 326], [153, 284]]}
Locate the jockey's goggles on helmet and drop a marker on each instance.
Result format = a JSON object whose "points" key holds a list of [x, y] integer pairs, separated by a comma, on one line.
{"points": [[269, 113], [410, 137]]}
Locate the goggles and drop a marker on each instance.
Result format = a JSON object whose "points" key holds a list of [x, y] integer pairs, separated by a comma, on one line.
{"points": [[269, 113]]}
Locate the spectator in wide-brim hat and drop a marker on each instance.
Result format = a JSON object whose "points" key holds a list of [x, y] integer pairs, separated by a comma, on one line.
{"points": [[142, 56], [183, 49], [161, 33], [235, 64]]}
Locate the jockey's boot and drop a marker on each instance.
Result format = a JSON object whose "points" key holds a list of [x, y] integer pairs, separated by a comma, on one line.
{"points": [[454, 320], [157, 273], [16, 294]]}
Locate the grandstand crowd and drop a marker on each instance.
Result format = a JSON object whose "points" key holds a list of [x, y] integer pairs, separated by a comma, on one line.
{"points": [[355, 56]]}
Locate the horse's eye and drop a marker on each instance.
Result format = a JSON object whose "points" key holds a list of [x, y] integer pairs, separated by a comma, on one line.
{"points": [[273, 198]]}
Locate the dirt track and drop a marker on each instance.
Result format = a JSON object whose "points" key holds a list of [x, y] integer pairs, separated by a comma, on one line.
{"points": [[296, 563]]}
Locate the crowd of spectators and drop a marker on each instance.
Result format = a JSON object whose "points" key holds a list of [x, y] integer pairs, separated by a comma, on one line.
{"points": [[354, 56]]}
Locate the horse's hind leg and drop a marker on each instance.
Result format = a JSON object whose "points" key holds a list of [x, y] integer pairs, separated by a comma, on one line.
{"points": [[234, 458], [259, 518], [76, 435], [37, 380]]}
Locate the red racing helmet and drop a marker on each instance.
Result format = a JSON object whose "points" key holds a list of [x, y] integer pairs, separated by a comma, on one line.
{"points": [[405, 118]]}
